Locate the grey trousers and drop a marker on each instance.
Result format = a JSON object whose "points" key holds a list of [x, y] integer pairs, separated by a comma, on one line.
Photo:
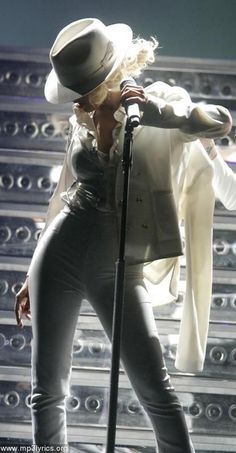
{"points": [[75, 260]]}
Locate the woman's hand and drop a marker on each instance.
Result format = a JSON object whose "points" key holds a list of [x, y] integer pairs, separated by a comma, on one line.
{"points": [[210, 147], [22, 304], [133, 93]]}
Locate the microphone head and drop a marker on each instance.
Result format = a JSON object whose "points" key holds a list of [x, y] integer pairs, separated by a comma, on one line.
{"points": [[131, 108], [127, 81]]}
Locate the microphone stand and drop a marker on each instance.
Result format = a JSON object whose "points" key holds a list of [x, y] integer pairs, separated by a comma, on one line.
{"points": [[119, 291]]}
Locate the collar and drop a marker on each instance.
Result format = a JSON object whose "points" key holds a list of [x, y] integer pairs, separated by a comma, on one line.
{"points": [[86, 119]]}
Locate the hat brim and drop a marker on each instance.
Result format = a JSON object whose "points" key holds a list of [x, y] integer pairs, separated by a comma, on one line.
{"points": [[121, 35]]}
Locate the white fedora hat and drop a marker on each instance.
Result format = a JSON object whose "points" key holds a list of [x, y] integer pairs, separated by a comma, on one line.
{"points": [[84, 55]]}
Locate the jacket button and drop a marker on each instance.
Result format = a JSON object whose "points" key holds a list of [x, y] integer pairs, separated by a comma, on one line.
{"points": [[139, 200], [120, 203], [145, 226]]}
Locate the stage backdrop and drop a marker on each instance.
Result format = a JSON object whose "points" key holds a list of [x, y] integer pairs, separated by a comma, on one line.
{"points": [[188, 28]]}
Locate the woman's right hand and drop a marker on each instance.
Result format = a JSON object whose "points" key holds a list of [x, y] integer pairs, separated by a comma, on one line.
{"points": [[22, 304], [210, 147]]}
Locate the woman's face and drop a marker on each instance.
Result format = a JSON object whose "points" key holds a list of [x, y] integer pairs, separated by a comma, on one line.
{"points": [[111, 98], [84, 104]]}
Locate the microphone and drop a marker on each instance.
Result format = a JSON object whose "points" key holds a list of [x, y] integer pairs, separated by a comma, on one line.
{"points": [[132, 109]]}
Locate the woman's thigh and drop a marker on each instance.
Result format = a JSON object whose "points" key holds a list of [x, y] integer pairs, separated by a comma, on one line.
{"points": [[141, 351]]}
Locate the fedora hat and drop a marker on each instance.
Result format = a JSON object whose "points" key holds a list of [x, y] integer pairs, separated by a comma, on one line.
{"points": [[83, 56]]}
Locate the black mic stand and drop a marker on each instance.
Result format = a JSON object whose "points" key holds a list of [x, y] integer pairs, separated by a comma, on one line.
{"points": [[119, 291]]}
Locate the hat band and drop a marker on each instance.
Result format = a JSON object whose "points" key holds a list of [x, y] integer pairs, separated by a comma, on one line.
{"points": [[92, 82], [89, 81]]}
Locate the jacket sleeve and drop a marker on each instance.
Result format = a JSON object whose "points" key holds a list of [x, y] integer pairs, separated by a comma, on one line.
{"points": [[65, 180], [55, 202], [197, 211], [172, 108], [224, 182]]}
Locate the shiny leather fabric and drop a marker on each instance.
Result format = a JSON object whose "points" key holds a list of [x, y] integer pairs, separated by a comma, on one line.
{"points": [[75, 259]]}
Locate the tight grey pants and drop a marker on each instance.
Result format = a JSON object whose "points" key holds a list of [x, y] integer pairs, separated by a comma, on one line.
{"points": [[75, 260]]}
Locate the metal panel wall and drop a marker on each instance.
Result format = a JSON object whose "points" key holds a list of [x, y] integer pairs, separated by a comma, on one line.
{"points": [[32, 140]]}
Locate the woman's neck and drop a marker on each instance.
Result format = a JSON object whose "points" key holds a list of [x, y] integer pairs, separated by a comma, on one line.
{"points": [[112, 102]]}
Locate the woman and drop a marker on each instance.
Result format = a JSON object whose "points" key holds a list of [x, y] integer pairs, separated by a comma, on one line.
{"points": [[76, 253]]}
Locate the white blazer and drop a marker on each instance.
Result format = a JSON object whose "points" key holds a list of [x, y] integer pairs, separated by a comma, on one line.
{"points": [[224, 182]]}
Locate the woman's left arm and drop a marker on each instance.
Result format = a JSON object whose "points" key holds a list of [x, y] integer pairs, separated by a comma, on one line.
{"points": [[171, 108], [198, 120]]}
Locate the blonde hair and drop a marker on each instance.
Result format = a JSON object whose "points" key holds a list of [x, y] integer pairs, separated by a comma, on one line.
{"points": [[139, 55]]}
